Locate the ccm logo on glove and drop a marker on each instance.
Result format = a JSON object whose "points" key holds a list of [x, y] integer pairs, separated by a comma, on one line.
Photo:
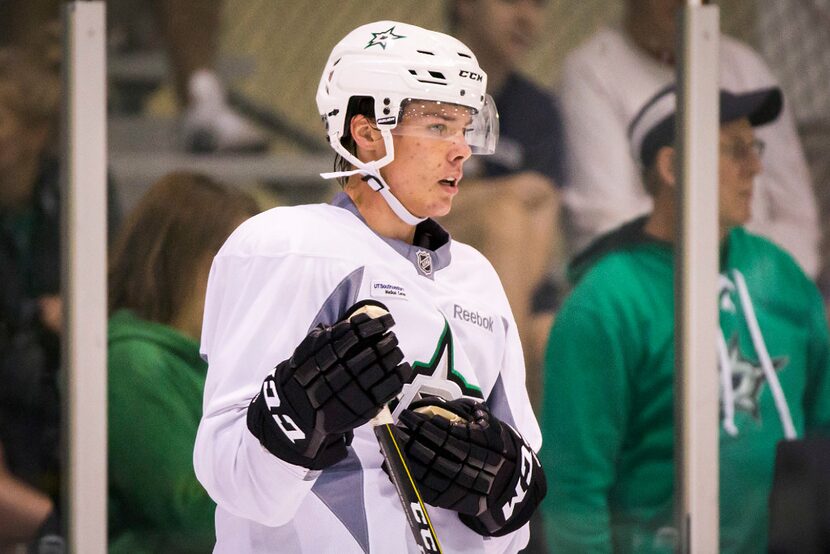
{"points": [[465, 459], [523, 483], [337, 379], [283, 421]]}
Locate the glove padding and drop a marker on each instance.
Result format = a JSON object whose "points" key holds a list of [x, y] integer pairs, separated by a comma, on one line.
{"points": [[338, 378], [476, 465]]}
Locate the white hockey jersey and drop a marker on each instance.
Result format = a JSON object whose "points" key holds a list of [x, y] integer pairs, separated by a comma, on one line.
{"points": [[280, 274]]}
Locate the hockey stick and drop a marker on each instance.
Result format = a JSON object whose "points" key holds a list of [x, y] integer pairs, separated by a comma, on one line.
{"points": [[411, 502]]}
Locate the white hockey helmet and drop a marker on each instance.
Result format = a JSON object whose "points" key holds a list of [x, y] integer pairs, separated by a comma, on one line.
{"points": [[395, 63]]}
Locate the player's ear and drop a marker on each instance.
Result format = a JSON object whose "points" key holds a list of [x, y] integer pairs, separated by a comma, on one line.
{"points": [[664, 165], [365, 133]]}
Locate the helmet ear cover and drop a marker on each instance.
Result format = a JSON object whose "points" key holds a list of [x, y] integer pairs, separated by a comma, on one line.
{"points": [[358, 105]]}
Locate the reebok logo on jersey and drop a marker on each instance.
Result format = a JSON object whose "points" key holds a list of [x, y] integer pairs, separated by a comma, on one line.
{"points": [[380, 289], [485, 322]]}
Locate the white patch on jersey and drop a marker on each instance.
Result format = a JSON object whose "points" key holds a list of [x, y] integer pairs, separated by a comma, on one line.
{"points": [[381, 289]]}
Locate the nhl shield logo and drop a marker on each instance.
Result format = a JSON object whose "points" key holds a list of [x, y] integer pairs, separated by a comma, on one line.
{"points": [[424, 261]]}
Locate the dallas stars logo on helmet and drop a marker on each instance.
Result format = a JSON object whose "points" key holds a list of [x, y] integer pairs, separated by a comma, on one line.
{"points": [[379, 39]]}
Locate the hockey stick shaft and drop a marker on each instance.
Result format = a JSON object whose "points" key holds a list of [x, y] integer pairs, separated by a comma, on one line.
{"points": [[413, 505], [411, 501]]}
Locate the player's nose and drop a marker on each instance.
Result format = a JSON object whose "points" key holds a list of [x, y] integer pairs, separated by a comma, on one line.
{"points": [[459, 149]]}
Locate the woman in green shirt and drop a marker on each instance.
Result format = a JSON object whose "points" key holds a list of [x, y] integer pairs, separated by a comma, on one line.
{"points": [[157, 279]]}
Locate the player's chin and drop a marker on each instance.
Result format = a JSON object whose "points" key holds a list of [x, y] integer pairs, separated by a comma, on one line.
{"points": [[440, 209]]}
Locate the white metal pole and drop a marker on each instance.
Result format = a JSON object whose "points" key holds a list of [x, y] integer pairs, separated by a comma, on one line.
{"points": [[696, 270], [84, 275]]}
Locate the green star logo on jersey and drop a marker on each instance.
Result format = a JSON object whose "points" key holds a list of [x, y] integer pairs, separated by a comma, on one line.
{"points": [[442, 364], [747, 378], [380, 39]]}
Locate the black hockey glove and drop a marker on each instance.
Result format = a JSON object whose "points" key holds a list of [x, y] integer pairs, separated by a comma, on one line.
{"points": [[338, 378], [468, 461]]}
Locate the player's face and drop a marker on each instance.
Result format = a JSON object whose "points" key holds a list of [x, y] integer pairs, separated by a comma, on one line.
{"points": [[505, 28], [740, 162], [430, 151]]}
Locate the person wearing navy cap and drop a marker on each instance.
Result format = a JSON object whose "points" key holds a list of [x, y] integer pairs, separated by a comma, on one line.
{"points": [[608, 411]]}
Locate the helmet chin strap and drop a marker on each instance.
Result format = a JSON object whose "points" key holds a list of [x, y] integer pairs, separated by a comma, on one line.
{"points": [[372, 176]]}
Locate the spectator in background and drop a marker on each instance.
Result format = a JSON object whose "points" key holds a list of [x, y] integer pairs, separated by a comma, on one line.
{"points": [[31, 310], [158, 276], [30, 306], [606, 80], [190, 29], [509, 208], [25, 512], [793, 37], [608, 410]]}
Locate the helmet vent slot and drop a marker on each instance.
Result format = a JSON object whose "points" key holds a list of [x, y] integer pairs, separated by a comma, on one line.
{"points": [[433, 77], [426, 52], [463, 55]]}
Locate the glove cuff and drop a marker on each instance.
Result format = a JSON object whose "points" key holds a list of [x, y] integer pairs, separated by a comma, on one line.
{"points": [[516, 505]]}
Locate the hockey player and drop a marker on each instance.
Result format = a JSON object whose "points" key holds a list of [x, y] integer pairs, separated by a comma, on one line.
{"points": [[284, 447]]}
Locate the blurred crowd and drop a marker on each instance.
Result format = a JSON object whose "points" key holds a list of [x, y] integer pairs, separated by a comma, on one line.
{"points": [[575, 211]]}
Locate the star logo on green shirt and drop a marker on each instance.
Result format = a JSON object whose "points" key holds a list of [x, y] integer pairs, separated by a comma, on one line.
{"points": [[747, 378], [380, 39]]}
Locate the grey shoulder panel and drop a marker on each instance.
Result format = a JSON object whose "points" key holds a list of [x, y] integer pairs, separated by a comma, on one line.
{"points": [[340, 299]]}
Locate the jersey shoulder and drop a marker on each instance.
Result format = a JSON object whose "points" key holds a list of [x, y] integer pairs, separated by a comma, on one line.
{"points": [[765, 253], [319, 230], [473, 271], [620, 276], [467, 257], [743, 64]]}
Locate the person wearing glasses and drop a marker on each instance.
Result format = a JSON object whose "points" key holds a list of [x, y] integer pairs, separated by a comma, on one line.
{"points": [[602, 85], [609, 410]]}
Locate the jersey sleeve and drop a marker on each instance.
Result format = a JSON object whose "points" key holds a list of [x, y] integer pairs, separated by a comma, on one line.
{"points": [[584, 418], [513, 377], [257, 310]]}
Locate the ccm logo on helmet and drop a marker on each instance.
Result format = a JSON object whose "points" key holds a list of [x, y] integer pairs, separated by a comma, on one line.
{"points": [[478, 77]]}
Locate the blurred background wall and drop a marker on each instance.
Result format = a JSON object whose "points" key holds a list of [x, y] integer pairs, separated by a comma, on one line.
{"points": [[286, 43]]}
